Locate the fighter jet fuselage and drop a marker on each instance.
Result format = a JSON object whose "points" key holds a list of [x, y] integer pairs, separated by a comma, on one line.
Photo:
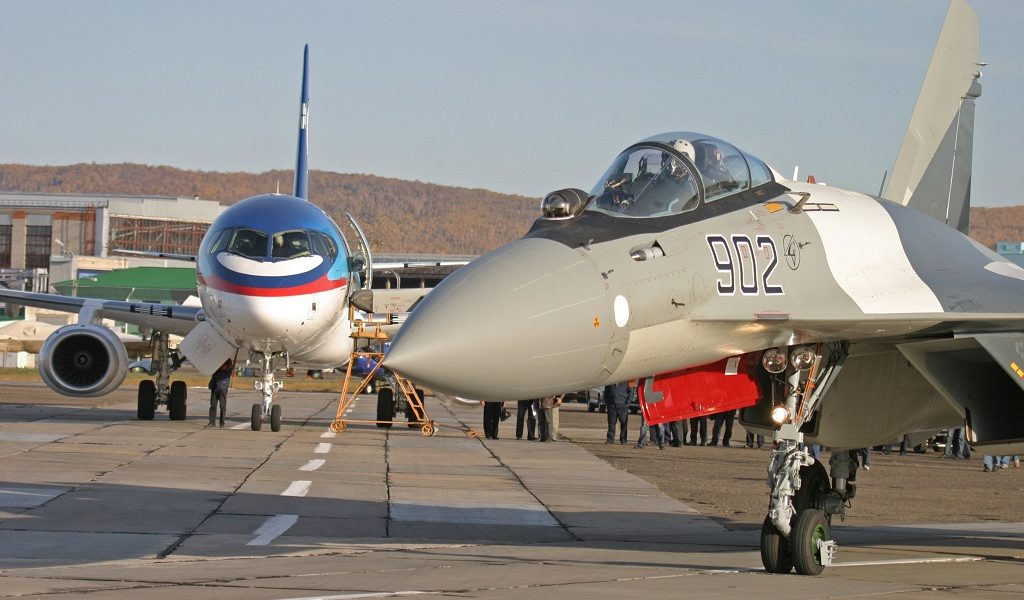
{"points": [[618, 291]]}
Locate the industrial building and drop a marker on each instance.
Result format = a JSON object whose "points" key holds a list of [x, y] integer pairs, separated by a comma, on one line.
{"points": [[73, 235]]}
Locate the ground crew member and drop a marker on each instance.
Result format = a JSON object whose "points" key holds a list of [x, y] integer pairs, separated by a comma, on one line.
{"points": [[220, 381], [616, 400]]}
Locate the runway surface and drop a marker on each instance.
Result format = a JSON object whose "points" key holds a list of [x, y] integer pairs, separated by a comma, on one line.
{"points": [[94, 504]]}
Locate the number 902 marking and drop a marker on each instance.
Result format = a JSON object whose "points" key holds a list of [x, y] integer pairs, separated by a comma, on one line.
{"points": [[736, 257]]}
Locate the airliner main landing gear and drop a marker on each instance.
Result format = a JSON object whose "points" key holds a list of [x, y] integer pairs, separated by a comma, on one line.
{"points": [[162, 391], [267, 410], [797, 529]]}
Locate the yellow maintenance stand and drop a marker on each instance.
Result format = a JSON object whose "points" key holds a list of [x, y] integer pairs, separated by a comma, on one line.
{"points": [[376, 336]]}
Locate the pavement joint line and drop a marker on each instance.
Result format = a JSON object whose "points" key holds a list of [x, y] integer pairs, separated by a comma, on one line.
{"points": [[313, 464], [387, 482], [358, 595], [181, 539], [297, 489], [272, 528], [565, 527], [322, 448], [909, 561]]}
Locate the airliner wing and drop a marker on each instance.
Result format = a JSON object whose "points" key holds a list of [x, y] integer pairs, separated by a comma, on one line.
{"points": [[167, 255], [169, 318], [419, 264]]}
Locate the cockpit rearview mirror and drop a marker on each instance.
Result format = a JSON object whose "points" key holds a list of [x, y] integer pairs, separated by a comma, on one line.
{"points": [[564, 204]]}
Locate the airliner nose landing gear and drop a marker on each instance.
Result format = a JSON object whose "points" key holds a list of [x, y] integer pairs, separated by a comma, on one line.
{"points": [[797, 530], [267, 410]]}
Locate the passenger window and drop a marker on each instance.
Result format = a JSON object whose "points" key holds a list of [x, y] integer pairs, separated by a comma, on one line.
{"points": [[248, 243]]}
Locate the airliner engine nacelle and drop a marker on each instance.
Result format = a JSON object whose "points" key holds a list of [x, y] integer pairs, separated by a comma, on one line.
{"points": [[83, 360]]}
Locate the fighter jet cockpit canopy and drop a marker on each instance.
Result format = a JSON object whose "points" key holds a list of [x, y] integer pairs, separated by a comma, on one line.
{"points": [[672, 173]]}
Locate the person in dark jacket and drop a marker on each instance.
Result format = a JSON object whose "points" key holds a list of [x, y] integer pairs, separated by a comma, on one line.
{"points": [[526, 411], [616, 400], [220, 381], [492, 416], [699, 425]]}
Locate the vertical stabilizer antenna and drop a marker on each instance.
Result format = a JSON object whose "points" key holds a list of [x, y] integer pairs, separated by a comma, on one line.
{"points": [[301, 168]]}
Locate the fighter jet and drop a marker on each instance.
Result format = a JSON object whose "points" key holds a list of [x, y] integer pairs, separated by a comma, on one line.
{"points": [[834, 317]]}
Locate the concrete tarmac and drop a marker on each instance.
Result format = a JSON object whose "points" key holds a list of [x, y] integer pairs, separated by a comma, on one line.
{"points": [[94, 504]]}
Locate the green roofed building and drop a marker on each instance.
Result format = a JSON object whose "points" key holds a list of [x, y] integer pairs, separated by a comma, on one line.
{"points": [[141, 284]]}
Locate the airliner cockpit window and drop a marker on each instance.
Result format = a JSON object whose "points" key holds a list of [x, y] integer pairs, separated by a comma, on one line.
{"points": [[290, 244], [323, 245], [220, 241], [248, 243], [647, 181]]}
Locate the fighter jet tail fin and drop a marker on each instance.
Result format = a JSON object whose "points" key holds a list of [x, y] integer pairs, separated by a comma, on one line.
{"points": [[301, 168], [932, 172]]}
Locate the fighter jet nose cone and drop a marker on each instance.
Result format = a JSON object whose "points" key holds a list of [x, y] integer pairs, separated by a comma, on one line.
{"points": [[530, 319]]}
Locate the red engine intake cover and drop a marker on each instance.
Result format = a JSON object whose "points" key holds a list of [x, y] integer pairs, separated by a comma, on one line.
{"points": [[728, 384]]}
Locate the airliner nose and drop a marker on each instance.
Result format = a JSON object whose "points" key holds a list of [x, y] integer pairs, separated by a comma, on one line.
{"points": [[528, 320]]}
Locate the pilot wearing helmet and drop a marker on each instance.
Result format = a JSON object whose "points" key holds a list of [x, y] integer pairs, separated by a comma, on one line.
{"points": [[711, 165], [674, 189]]}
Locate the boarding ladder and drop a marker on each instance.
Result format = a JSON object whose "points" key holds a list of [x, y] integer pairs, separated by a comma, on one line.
{"points": [[373, 332]]}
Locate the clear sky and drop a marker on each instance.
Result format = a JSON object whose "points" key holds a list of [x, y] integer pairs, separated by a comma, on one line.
{"points": [[522, 96]]}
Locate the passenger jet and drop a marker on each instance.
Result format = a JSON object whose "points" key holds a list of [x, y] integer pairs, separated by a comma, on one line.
{"points": [[276, 278]]}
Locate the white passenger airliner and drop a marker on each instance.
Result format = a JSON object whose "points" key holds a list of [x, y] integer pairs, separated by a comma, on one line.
{"points": [[275, 276]]}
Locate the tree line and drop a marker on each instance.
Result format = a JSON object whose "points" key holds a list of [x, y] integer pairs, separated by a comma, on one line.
{"points": [[399, 216]]}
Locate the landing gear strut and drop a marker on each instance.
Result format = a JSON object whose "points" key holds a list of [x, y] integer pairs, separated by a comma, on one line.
{"points": [[797, 529], [163, 391], [267, 410]]}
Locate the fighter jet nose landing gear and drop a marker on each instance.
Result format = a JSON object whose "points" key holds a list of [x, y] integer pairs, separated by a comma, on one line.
{"points": [[797, 530]]}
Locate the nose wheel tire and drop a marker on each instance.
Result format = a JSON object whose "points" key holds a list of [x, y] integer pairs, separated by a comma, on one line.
{"points": [[774, 549], [257, 417], [275, 418], [811, 528]]}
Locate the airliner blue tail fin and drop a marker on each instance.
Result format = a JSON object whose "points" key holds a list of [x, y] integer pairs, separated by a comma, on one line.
{"points": [[301, 167]]}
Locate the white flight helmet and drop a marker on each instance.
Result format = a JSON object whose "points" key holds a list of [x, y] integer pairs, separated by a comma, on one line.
{"points": [[673, 165], [684, 147]]}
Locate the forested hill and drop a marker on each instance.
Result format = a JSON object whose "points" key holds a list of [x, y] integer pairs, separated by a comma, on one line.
{"points": [[398, 215]]}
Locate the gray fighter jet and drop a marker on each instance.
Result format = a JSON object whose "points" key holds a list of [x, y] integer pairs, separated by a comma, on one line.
{"points": [[832, 316]]}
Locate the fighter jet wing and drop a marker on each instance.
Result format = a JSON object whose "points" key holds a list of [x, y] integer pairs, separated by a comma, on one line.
{"points": [[169, 318], [899, 325]]}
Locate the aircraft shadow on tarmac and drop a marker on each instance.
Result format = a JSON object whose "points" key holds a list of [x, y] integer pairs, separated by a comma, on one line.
{"points": [[99, 521]]}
